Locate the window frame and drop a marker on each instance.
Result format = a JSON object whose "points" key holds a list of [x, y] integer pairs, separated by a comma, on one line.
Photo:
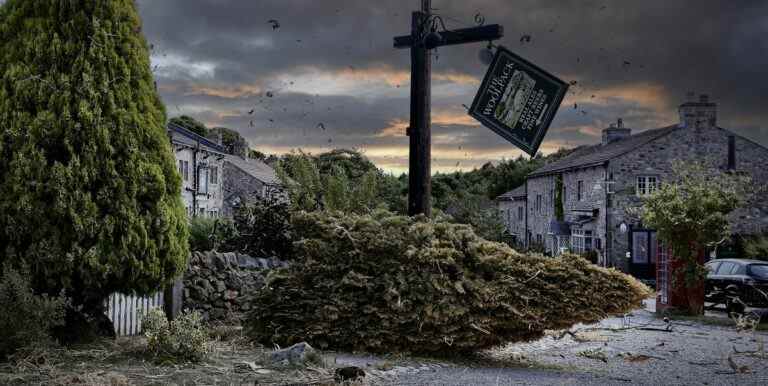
{"points": [[580, 190], [646, 184], [213, 175]]}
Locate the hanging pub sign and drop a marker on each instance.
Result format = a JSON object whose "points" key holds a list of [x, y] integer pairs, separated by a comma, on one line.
{"points": [[518, 100]]}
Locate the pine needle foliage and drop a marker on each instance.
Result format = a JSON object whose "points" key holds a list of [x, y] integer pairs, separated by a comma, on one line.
{"points": [[89, 192], [388, 283]]}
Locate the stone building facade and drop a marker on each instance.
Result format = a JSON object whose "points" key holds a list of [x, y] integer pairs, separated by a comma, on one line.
{"points": [[248, 179], [200, 163], [602, 183], [512, 209]]}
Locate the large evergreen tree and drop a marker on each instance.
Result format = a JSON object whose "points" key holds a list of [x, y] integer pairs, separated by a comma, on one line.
{"points": [[89, 192]]}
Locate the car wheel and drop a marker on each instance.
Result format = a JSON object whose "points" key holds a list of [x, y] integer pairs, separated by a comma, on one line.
{"points": [[734, 306]]}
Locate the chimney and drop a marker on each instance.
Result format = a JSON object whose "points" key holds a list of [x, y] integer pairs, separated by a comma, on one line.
{"points": [[701, 114], [616, 132]]}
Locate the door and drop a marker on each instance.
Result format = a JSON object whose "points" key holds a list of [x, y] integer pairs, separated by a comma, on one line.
{"points": [[643, 248]]}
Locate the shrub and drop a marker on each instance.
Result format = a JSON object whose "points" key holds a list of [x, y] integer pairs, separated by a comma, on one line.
{"points": [[183, 339], [208, 234], [26, 318], [263, 229], [756, 247], [386, 283]]}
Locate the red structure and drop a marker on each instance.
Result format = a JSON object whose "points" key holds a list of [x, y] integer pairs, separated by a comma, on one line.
{"points": [[671, 292]]}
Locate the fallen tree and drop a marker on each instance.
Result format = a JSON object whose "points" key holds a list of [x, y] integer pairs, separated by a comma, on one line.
{"points": [[386, 283]]}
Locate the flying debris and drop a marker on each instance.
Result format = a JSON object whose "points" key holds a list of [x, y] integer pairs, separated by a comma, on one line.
{"points": [[573, 82], [479, 19], [458, 163], [321, 125], [583, 112], [275, 24], [330, 140], [270, 94], [251, 112], [603, 7], [592, 96], [298, 40], [626, 63], [251, 124], [525, 38], [271, 120]]}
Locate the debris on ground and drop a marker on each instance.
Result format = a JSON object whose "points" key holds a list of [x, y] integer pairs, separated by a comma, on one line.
{"points": [[595, 353], [298, 354], [346, 374]]}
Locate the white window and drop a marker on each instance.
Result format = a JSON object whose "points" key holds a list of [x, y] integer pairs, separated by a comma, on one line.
{"points": [[202, 181], [646, 185], [214, 175], [581, 241], [184, 170]]}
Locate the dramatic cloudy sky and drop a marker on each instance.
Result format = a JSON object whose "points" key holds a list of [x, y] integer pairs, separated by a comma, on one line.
{"points": [[332, 62]]}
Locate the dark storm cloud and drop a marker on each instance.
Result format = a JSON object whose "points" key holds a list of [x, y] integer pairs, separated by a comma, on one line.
{"points": [[218, 57]]}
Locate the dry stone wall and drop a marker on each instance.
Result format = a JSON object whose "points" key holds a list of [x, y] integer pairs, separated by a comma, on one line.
{"points": [[222, 285]]}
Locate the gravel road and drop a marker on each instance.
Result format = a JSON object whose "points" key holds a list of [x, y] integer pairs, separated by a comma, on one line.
{"points": [[621, 351]]}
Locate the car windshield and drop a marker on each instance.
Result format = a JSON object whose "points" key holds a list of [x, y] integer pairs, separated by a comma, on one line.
{"points": [[759, 270]]}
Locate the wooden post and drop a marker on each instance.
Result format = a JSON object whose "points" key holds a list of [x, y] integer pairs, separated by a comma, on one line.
{"points": [[419, 162], [420, 131]]}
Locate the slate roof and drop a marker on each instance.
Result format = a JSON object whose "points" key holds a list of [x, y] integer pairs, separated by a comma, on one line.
{"points": [[598, 154], [256, 168], [194, 137], [512, 194]]}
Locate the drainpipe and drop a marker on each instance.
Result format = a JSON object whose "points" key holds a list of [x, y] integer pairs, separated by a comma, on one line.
{"points": [[607, 207], [527, 240], [195, 181]]}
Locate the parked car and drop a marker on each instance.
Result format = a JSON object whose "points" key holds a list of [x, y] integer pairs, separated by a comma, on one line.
{"points": [[737, 283]]}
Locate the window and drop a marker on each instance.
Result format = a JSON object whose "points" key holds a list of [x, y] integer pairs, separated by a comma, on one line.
{"points": [[726, 267], [202, 185], [538, 203], [610, 183], [640, 253], [712, 267], [580, 191], [646, 185], [184, 170], [581, 241], [214, 177], [520, 214]]}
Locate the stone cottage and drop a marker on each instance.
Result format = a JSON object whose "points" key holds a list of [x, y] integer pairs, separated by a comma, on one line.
{"points": [[248, 179], [200, 162], [213, 181], [601, 182]]}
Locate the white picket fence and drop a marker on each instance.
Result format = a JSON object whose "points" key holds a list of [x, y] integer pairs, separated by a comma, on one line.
{"points": [[125, 311]]}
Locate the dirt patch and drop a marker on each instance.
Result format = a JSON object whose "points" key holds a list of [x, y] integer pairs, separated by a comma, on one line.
{"points": [[125, 362]]}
